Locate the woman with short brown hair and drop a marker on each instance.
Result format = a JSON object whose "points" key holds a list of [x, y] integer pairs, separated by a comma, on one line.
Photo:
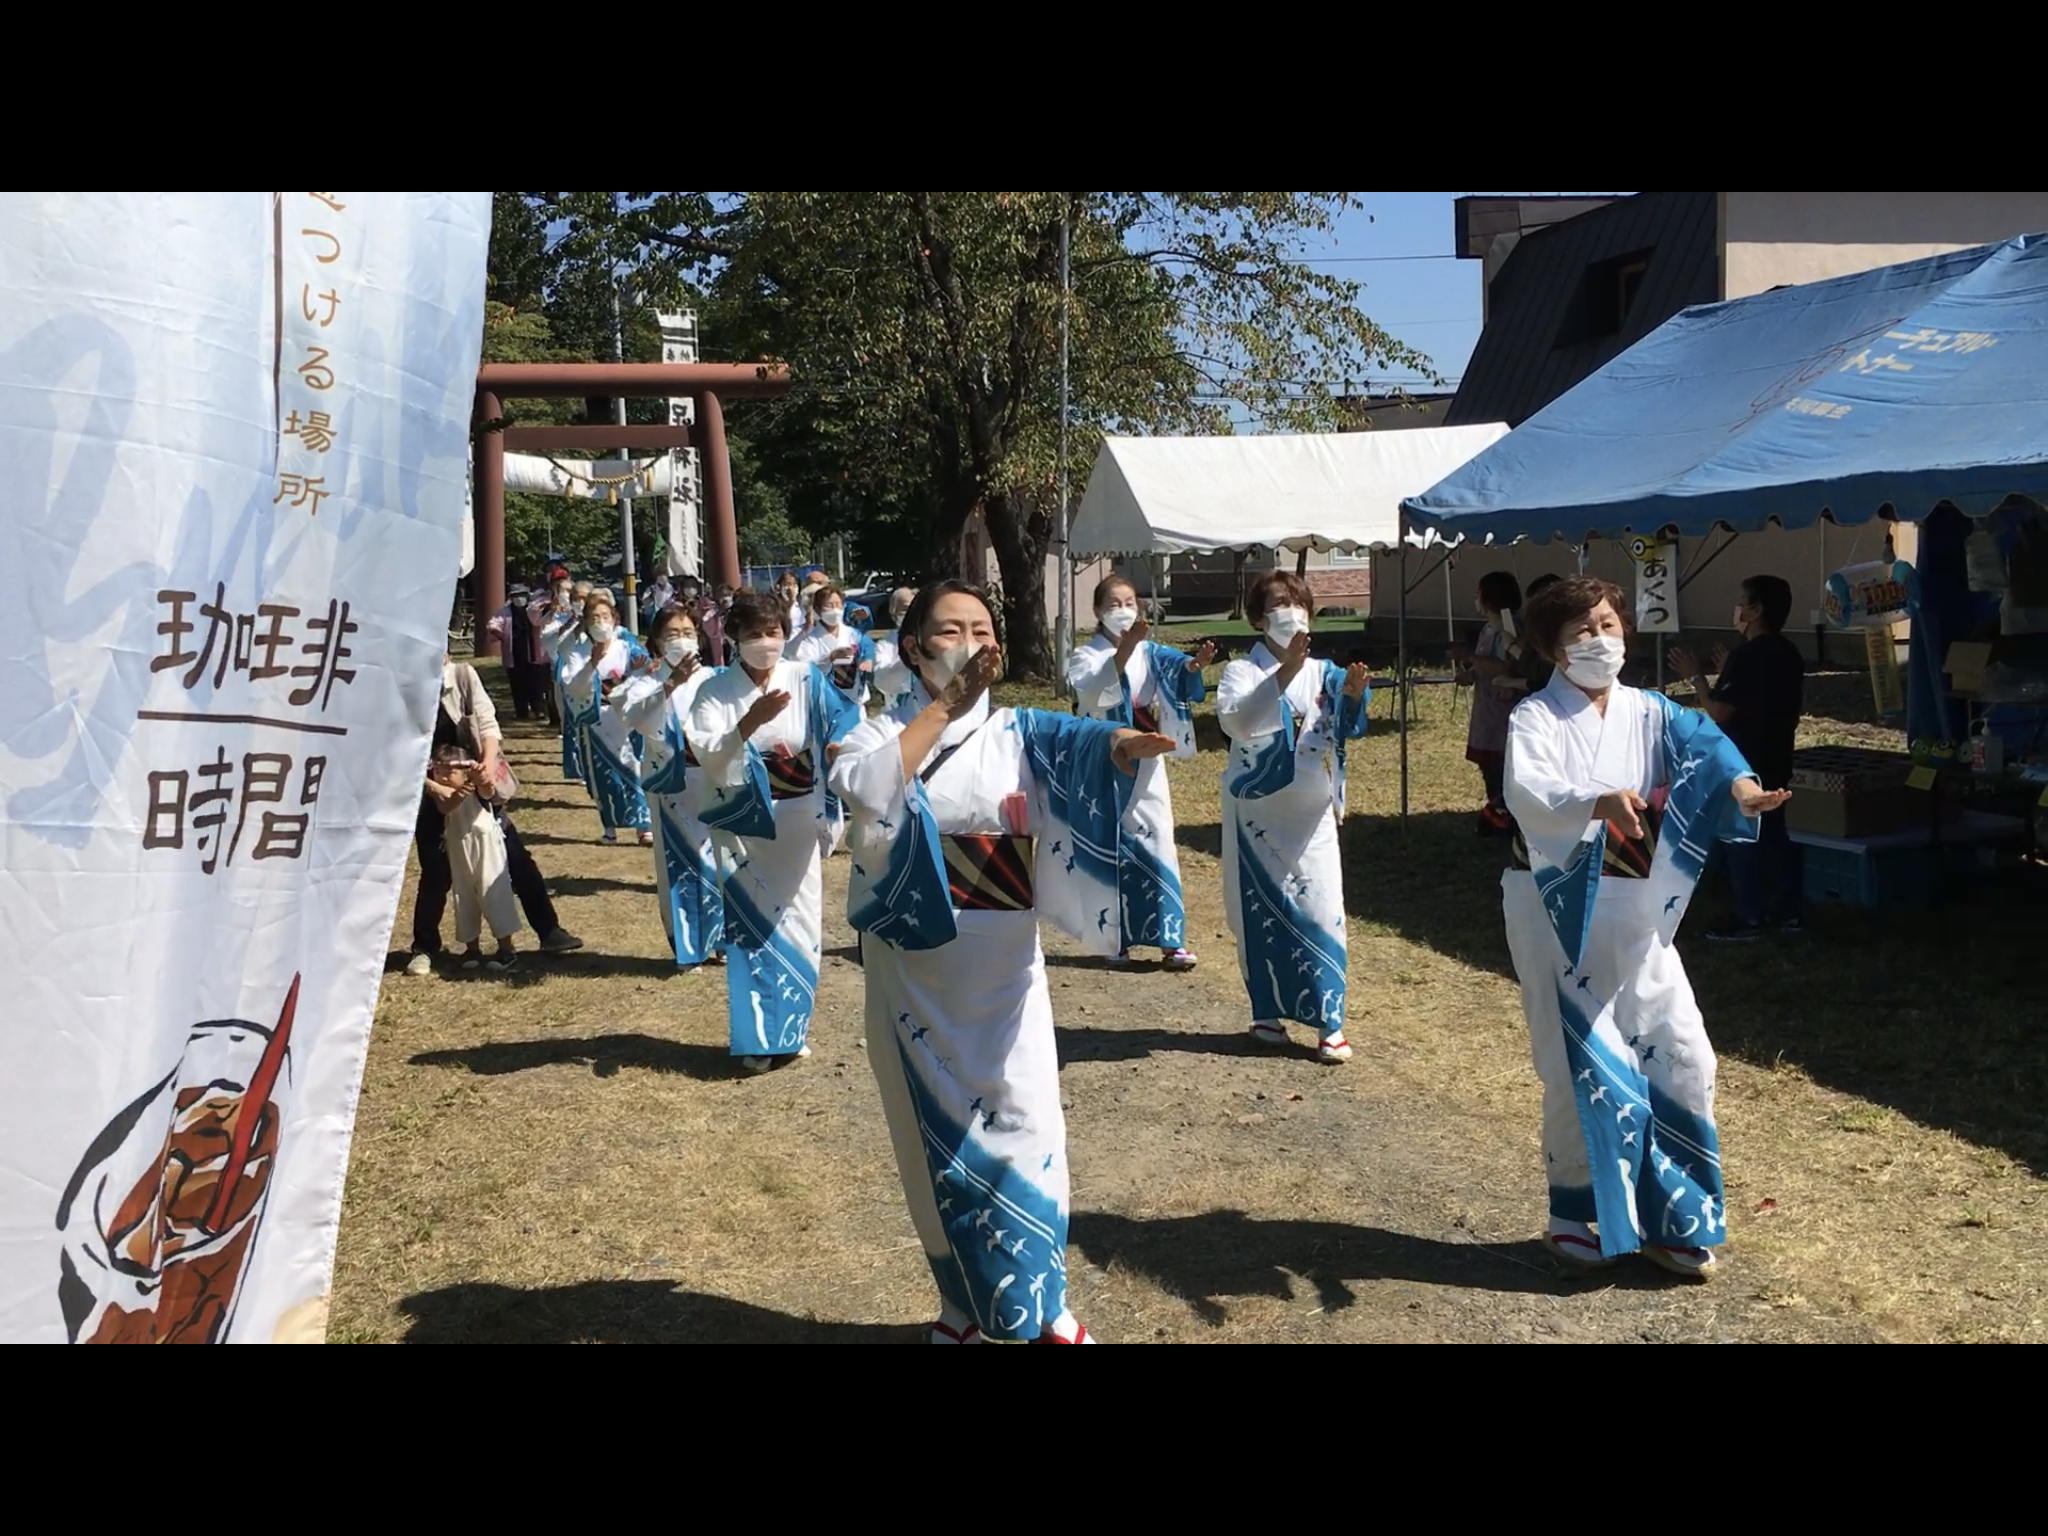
{"points": [[1288, 720], [1617, 794], [611, 759], [1118, 674]]}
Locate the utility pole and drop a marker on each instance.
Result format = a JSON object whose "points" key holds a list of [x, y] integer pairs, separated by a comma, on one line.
{"points": [[628, 581], [1063, 630]]}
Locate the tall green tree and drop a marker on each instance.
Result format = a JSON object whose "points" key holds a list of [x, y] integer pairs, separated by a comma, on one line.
{"points": [[922, 330]]}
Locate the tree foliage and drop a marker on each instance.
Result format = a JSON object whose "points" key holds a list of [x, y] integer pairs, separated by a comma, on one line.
{"points": [[922, 332]]}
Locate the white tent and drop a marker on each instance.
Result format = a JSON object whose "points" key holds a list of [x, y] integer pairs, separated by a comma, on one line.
{"points": [[1338, 490]]}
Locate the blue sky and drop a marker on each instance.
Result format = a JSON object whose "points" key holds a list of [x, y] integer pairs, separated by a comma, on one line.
{"points": [[1399, 246]]}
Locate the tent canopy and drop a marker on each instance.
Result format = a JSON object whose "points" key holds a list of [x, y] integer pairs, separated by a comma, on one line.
{"points": [[1902, 387], [1339, 490]]}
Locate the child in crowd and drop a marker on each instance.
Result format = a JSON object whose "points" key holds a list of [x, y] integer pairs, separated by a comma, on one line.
{"points": [[479, 876]]}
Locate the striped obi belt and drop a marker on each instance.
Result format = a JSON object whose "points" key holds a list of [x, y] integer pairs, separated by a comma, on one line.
{"points": [[844, 675], [989, 872], [1144, 719], [1624, 857], [791, 775]]}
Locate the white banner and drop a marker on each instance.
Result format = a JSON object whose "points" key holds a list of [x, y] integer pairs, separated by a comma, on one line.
{"points": [[232, 447], [1656, 606], [685, 529]]}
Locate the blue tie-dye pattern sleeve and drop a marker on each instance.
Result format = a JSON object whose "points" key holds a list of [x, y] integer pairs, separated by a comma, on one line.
{"points": [[833, 714], [1179, 684], [1082, 796], [1703, 767]]}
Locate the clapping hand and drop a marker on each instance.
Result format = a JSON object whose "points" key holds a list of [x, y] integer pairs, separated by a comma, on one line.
{"points": [[1204, 654], [1357, 678], [1685, 663], [1128, 642], [1752, 799], [845, 653], [764, 709], [1128, 748], [972, 681], [1720, 659], [680, 672]]}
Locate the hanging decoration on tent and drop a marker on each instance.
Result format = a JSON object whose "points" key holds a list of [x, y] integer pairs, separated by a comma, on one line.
{"points": [[1873, 594], [1656, 585]]}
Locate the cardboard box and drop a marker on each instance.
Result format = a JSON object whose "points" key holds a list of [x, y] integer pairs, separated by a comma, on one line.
{"points": [[1967, 660], [1852, 792]]}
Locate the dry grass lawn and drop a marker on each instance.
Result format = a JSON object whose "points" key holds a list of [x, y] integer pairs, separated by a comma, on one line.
{"points": [[567, 1154]]}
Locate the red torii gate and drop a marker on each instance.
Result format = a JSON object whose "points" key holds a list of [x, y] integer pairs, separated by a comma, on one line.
{"points": [[702, 383]]}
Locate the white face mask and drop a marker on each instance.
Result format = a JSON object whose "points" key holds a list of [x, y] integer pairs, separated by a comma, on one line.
{"points": [[761, 654], [1116, 620], [942, 667], [674, 649], [830, 617], [1283, 624], [602, 633], [1596, 662], [725, 602], [1739, 620]]}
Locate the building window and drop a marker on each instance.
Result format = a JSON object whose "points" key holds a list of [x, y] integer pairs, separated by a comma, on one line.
{"points": [[1606, 294]]}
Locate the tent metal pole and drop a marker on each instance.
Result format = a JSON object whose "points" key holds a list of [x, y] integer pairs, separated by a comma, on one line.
{"points": [[1401, 658]]}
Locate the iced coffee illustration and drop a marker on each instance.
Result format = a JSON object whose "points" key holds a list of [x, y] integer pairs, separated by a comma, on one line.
{"points": [[161, 1217]]}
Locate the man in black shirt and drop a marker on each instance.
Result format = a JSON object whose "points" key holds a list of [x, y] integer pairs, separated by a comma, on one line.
{"points": [[1757, 701]]}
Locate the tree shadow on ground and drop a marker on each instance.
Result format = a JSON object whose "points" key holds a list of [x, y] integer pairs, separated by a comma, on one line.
{"points": [[850, 953], [584, 962], [592, 885], [1436, 883], [605, 1055], [1210, 1258], [1933, 1014], [619, 1312], [1091, 1043], [1202, 837]]}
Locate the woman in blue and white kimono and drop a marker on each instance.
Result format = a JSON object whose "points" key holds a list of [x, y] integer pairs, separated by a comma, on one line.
{"points": [[562, 637], [893, 680], [1618, 794], [834, 646], [946, 796], [656, 705], [847, 657], [609, 749], [1288, 719], [766, 729], [1119, 674]]}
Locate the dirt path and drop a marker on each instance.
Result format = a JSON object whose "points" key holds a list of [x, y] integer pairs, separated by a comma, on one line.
{"points": [[568, 1154]]}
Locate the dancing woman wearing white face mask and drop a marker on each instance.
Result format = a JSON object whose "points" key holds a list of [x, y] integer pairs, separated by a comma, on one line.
{"points": [[1618, 794], [656, 704], [835, 646], [1288, 719], [1119, 674], [947, 891], [609, 750], [767, 730]]}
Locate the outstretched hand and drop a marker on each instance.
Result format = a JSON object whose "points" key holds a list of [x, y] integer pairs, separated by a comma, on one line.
{"points": [[681, 671], [1128, 748], [1204, 654], [1357, 678], [1752, 799], [1622, 809]]}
